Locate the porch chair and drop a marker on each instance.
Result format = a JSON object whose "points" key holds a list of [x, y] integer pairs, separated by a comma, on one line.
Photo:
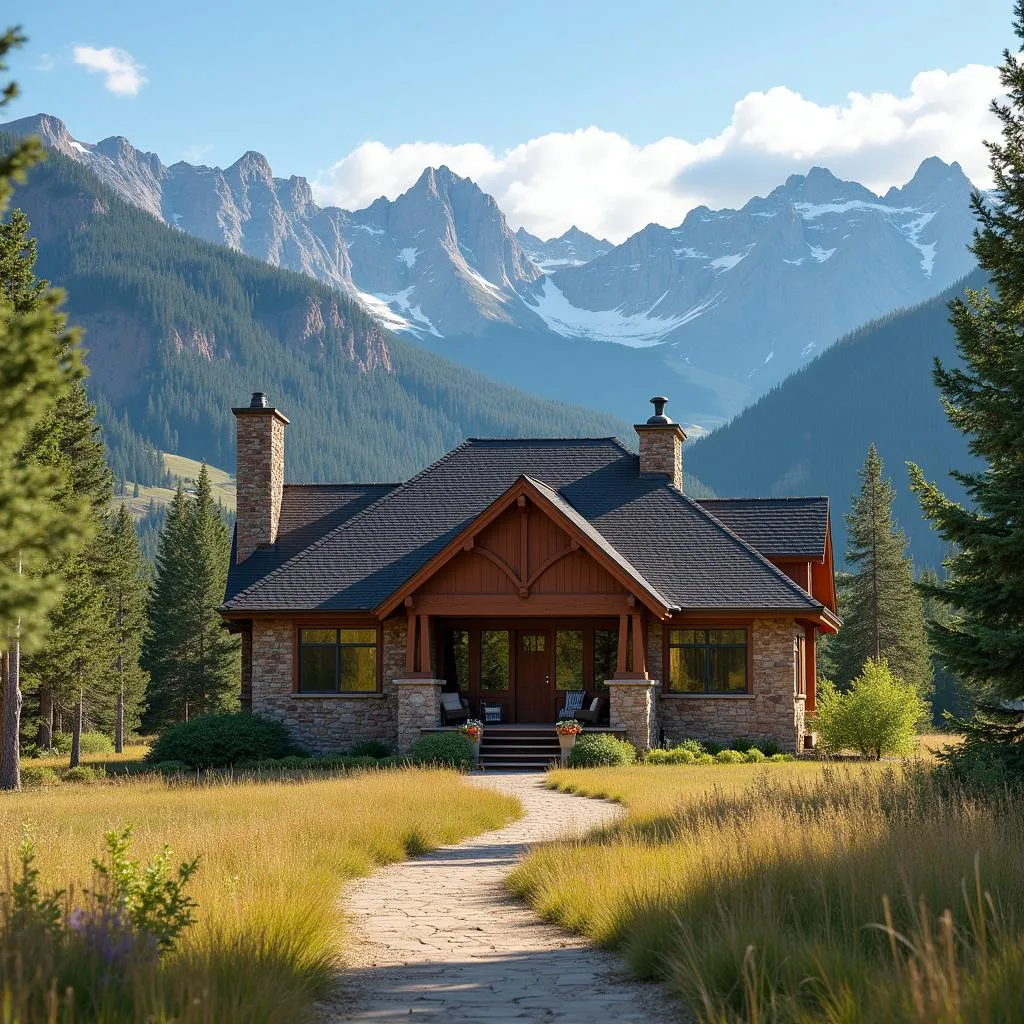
{"points": [[591, 711], [573, 704], [454, 709]]}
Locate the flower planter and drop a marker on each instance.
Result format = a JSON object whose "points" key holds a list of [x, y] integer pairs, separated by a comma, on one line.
{"points": [[566, 741], [473, 730]]}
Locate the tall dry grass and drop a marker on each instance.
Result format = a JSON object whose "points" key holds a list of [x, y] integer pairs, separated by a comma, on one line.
{"points": [[800, 892], [273, 860]]}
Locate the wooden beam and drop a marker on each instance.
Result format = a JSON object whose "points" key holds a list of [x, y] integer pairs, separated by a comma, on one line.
{"points": [[810, 669], [539, 605], [620, 664], [639, 652], [425, 645], [524, 541]]}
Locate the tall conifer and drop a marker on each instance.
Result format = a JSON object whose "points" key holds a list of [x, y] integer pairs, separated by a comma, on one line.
{"points": [[882, 611], [983, 643], [37, 360]]}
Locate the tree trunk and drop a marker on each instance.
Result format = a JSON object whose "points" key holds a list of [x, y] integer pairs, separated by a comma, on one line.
{"points": [[76, 736], [119, 723], [10, 762], [45, 735]]}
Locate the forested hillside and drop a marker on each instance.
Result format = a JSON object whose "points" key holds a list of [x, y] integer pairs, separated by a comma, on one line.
{"points": [[179, 330], [811, 433]]}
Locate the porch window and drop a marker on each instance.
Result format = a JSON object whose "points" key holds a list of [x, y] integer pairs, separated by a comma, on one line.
{"points": [[456, 659], [494, 659], [337, 660], [707, 660], [606, 655], [569, 659]]}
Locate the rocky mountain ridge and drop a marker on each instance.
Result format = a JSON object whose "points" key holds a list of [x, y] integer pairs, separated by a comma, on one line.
{"points": [[729, 301]]}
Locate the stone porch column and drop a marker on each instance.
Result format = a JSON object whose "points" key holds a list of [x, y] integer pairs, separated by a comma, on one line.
{"points": [[418, 704], [634, 706]]}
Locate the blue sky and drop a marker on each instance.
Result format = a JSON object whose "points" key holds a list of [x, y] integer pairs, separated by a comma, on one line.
{"points": [[309, 84]]}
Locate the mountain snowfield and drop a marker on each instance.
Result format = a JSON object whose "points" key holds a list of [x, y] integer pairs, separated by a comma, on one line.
{"points": [[729, 302]]}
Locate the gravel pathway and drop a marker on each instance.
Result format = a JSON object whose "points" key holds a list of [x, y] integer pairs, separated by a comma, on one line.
{"points": [[439, 938]]}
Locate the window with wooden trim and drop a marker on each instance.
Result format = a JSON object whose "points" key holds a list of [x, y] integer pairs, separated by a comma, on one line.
{"points": [[569, 659], [707, 660], [495, 650], [337, 660], [456, 659]]}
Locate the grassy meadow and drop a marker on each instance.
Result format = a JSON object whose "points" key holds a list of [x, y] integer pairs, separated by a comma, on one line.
{"points": [[274, 857], [799, 892]]}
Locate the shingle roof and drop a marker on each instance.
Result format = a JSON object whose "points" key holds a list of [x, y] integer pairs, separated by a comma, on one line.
{"points": [[351, 548], [777, 527]]}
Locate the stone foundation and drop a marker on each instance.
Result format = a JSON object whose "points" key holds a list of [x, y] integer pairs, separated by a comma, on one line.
{"points": [[633, 705], [771, 711]]}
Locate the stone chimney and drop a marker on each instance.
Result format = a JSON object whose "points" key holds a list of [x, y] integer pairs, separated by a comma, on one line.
{"points": [[661, 445], [259, 474]]}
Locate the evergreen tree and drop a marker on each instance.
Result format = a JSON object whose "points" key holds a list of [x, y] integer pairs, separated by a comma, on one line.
{"points": [[37, 361], [165, 653], [883, 617], [124, 578], [948, 697], [983, 642], [216, 668], [192, 660]]}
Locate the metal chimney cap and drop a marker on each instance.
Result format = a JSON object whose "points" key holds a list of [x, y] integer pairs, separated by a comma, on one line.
{"points": [[659, 418], [259, 401]]}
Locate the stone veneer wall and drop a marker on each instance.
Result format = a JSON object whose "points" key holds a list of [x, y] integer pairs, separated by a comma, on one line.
{"points": [[260, 480], [770, 712], [634, 707], [322, 724]]}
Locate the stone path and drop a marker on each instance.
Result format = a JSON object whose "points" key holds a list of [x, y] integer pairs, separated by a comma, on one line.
{"points": [[439, 938]]}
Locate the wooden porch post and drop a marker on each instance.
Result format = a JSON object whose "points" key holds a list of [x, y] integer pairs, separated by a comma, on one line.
{"points": [[425, 645], [639, 652], [620, 663], [810, 669]]}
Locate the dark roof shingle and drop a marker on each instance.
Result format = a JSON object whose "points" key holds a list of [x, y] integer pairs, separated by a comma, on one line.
{"points": [[352, 551]]}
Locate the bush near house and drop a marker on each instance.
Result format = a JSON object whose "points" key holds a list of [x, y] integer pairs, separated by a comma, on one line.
{"points": [[601, 750], [220, 741], [878, 715], [444, 750]]}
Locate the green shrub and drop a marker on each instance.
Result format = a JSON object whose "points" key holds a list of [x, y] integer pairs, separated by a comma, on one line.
{"points": [[219, 741], [370, 748], [779, 758], [754, 756], [656, 755], [60, 743], [172, 768], [444, 750], [768, 747], [33, 776], [704, 759], [695, 747], [742, 744], [729, 757], [601, 750], [95, 743], [877, 715], [294, 761], [82, 773], [712, 748]]}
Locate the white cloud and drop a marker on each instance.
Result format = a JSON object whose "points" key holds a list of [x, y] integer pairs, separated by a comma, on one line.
{"points": [[610, 186], [123, 72], [46, 62], [194, 154]]}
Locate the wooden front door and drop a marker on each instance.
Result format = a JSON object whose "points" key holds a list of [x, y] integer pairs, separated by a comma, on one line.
{"points": [[535, 685]]}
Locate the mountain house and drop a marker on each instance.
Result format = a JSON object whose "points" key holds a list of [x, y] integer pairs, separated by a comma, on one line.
{"points": [[514, 571]]}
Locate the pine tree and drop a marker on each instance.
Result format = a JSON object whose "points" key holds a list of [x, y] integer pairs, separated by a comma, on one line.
{"points": [[124, 578], [983, 643], [37, 361], [948, 697], [882, 611], [216, 669], [165, 653]]}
